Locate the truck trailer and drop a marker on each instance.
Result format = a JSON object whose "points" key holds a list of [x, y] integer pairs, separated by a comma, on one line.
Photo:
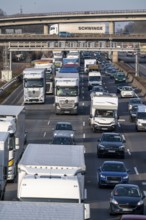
{"points": [[16, 210], [78, 28], [4, 152], [52, 165], [12, 120]]}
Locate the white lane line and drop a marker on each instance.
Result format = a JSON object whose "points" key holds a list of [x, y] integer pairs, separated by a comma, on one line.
{"points": [[119, 125], [83, 123], [129, 152], [45, 133], [48, 122], [121, 119], [143, 183], [136, 171], [83, 104], [84, 135]]}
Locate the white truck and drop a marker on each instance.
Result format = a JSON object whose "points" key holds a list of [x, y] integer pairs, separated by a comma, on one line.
{"points": [[88, 62], [42, 210], [4, 138], [34, 84], [49, 73], [67, 93], [78, 28], [103, 112], [58, 168], [94, 79], [12, 120]]}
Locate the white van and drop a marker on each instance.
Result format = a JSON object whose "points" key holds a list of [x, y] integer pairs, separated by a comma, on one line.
{"points": [[94, 79], [141, 118]]}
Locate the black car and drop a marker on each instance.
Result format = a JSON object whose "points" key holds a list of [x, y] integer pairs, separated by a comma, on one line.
{"points": [[112, 173], [126, 198], [111, 144]]}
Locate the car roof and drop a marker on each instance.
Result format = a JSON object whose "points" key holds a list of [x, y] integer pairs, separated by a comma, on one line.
{"points": [[111, 133], [115, 162], [127, 185], [133, 217], [63, 122]]}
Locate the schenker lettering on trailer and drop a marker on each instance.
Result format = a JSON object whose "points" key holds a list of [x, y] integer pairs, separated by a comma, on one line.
{"points": [[90, 28]]}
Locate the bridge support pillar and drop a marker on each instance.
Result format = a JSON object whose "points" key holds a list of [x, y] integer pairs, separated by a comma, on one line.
{"points": [[46, 30], [115, 56], [111, 27]]}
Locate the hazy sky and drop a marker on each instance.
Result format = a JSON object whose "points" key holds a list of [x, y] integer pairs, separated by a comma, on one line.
{"points": [[44, 6]]}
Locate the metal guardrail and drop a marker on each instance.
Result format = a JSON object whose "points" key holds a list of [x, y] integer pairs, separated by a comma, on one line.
{"points": [[8, 84]]}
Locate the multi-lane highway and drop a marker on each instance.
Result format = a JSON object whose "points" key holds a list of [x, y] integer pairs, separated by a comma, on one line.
{"points": [[41, 119]]}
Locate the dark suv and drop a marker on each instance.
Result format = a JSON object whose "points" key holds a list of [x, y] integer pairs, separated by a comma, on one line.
{"points": [[111, 144]]}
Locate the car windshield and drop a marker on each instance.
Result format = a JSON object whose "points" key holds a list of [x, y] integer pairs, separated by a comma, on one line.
{"points": [[127, 191], [63, 140], [127, 88], [104, 113], [112, 138], [63, 127], [113, 167], [135, 101]]}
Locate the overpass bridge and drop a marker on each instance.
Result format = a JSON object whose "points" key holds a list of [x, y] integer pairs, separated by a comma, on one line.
{"points": [[77, 37], [74, 17]]}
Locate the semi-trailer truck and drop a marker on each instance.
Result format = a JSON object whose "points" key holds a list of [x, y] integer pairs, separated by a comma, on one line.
{"points": [[16, 210], [4, 149], [67, 93], [12, 120], [78, 28], [58, 169]]}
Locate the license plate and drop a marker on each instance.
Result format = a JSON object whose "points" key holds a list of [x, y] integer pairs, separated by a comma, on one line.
{"points": [[66, 111], [127, 210], [111, 151]]}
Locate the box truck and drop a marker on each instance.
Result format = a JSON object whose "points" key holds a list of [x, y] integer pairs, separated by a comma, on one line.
{"points": [[12, 120], [78, 28], [4, 152]]}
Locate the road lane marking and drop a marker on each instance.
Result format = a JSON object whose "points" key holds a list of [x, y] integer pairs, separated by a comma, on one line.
{"points": [[83, 104], [45, 133], [83, 123], [48, 122], [129, 152], [136, 171], [84, 135], [143, 183]]}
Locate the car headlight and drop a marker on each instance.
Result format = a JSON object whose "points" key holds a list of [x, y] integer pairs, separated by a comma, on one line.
{"points": [[139, 123], [101, 146], [114, 201], [125, 177], [121, 147], [140, 202], [102, 176]]}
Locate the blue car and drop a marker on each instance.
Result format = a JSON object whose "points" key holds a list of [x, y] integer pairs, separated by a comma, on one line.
{"points": [[65, 34], [112, 173]]}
